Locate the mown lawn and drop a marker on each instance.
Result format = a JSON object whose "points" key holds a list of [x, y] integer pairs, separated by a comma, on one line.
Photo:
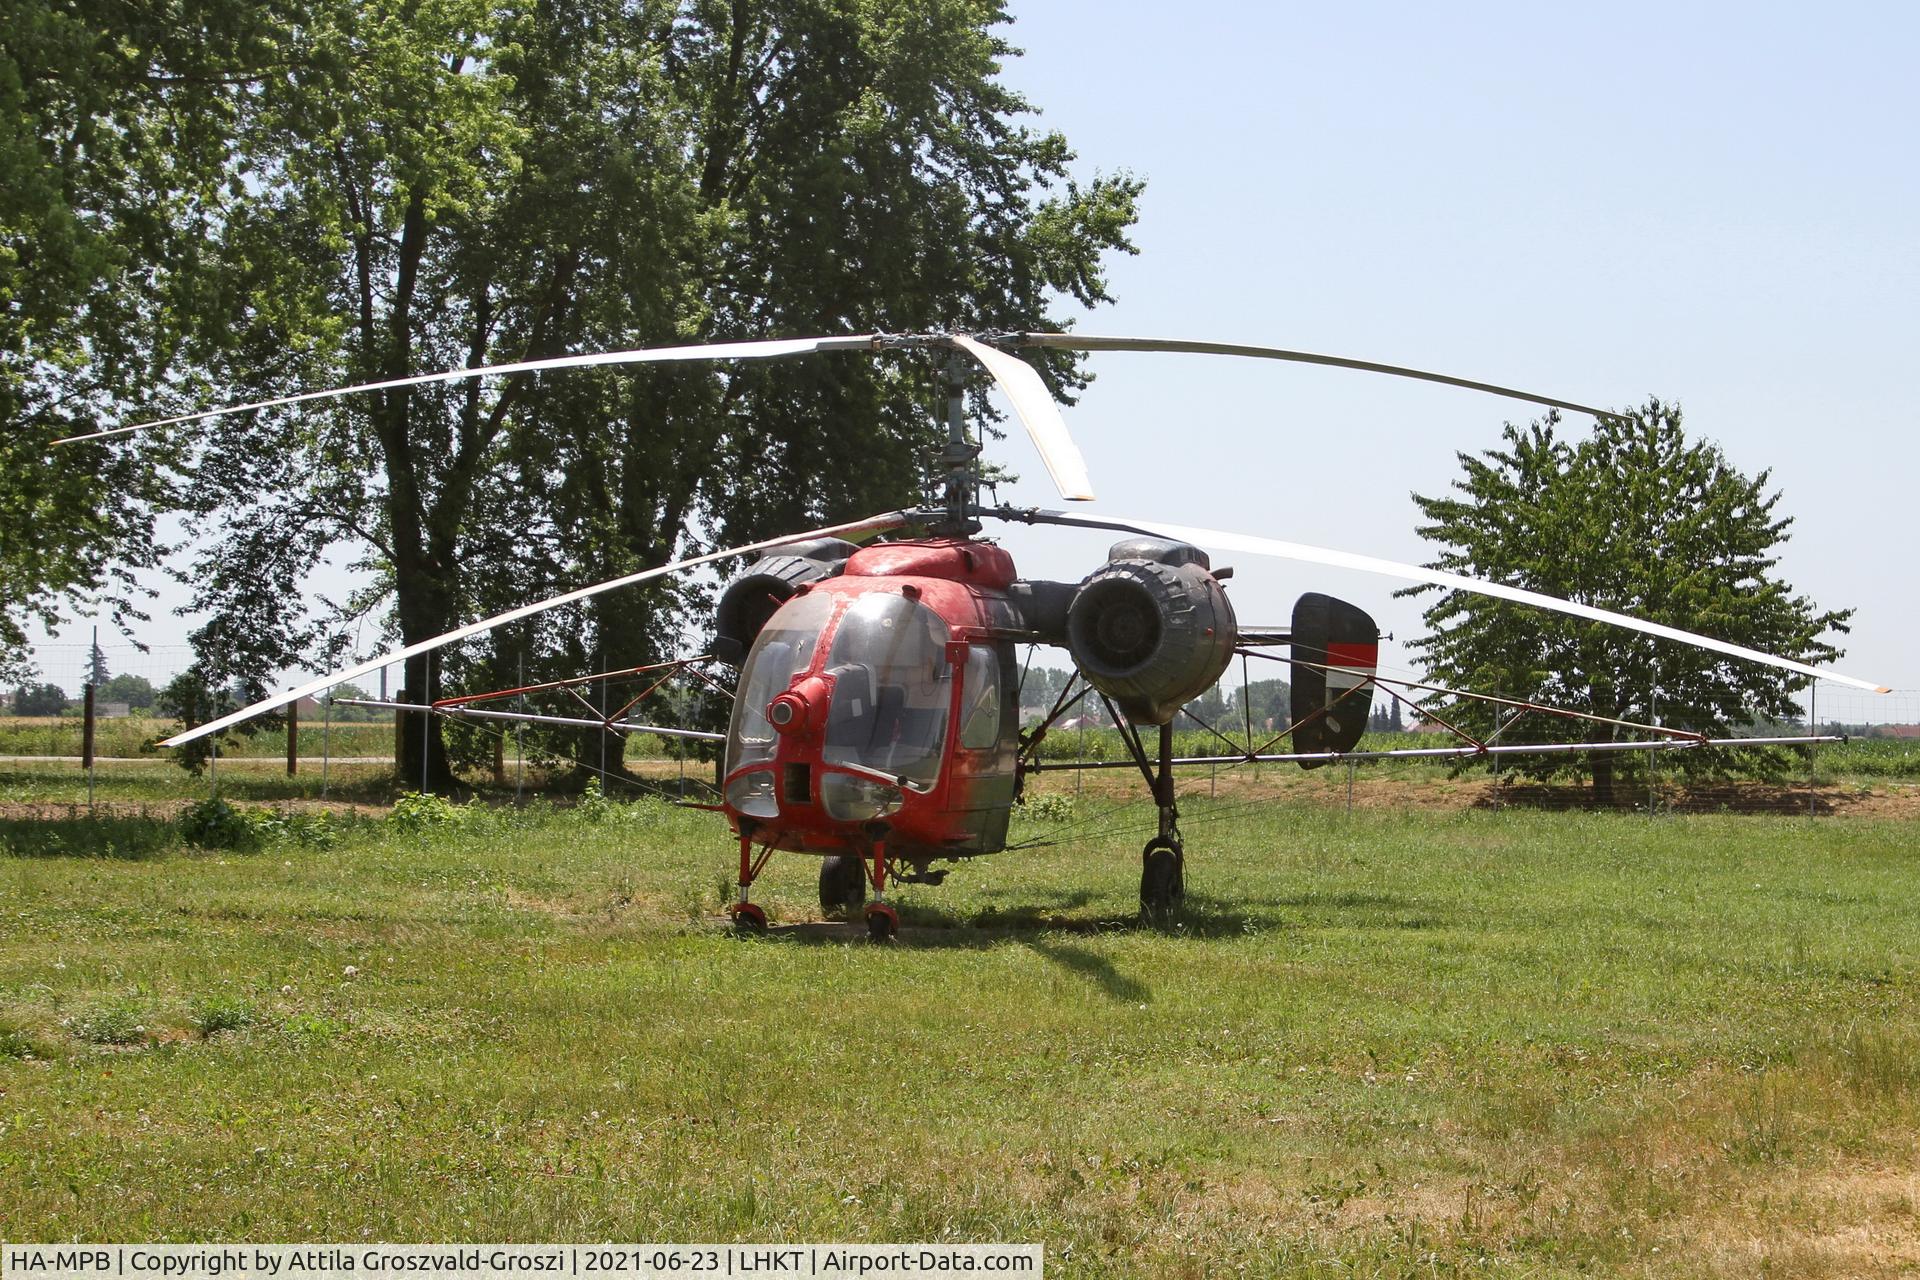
{"points": [[1385, 1043]]}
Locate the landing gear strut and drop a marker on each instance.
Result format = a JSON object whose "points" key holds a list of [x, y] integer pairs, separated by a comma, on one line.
{"points": [[749, 917], [883, 922], [1163, 861]]}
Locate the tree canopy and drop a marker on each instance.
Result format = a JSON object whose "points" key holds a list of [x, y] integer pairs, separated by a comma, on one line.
{"points": [[1633, 517], [409, 186], [113, 162]]}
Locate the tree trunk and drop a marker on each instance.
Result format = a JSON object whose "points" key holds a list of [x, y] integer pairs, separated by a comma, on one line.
{"points": [[1603, 779], [1604, 704]]}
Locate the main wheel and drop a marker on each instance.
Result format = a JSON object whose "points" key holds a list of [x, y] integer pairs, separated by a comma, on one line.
{"points": [[843, 884], [883, 922], [1162, 877]]}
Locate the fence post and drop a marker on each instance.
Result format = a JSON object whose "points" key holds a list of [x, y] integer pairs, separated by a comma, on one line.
{"points": [[400, 734], [86, 741]]}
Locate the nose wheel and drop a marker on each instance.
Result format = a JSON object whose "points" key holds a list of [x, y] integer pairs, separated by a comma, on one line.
{"points": [[748, 917], [883, 922]]}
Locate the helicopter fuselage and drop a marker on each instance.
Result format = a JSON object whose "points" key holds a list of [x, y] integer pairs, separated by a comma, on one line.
{"points": [[882, 704]]}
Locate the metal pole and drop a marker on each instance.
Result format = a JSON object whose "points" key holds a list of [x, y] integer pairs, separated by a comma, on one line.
{"points": [[326, 741], [426, 724], [519, 746], [293, 738], [1501, 727], [86, 732], [603, 717], [1653, 758], [1349, 788], [1813, 720]]}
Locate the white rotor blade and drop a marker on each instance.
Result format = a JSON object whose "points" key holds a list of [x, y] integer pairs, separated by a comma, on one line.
{"points": [[1416, 573], [767, 349], [1033, 405], [875, 524], [1080, 342]]}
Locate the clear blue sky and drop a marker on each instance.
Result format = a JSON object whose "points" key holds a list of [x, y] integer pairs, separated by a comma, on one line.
{"points": [[1715, 204]]}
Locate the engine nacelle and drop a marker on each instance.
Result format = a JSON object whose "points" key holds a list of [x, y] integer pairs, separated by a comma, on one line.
{"points": [[1151, 628], [768, 583]]}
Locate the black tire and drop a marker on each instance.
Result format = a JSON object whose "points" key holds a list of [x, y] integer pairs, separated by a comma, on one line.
{"points": [[843, 884], [882, 924], [1162, 877]]}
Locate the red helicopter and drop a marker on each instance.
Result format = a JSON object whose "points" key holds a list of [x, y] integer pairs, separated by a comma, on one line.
{"points": [[875, 719]]}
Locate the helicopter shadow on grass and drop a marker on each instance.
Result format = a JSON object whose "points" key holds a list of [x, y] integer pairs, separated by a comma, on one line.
{"points": [[1043, 928]]}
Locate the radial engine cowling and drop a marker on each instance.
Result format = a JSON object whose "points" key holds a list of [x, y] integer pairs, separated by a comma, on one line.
{"points": [[768, 583], [1151, 628]]}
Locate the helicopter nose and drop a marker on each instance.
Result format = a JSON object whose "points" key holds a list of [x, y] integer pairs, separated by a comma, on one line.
{"points": [[800, 709]]}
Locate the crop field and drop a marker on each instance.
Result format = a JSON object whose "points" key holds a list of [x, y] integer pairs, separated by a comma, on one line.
{"points": [[1393, 1042]]}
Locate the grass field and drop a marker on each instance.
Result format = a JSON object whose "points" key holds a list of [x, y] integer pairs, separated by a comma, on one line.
{"points": [[1388, 1043]]}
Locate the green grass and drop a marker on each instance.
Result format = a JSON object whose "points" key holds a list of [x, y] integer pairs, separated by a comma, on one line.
{"points": [[1396, 1043], [133, 736]]}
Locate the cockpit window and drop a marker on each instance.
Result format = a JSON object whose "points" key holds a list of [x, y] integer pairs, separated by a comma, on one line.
{"points": [[783, 650], [892, 688]]}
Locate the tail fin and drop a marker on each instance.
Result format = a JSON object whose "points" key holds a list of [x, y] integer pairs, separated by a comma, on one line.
{"points": [[1336, 648]]}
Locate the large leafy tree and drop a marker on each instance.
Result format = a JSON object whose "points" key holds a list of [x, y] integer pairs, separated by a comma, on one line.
{"points": [[1636, 518], [113, 164], [433, 183]]}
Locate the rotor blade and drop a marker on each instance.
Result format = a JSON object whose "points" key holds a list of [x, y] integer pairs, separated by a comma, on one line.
{"points": [[1445, 753], [874, 524], [1080, 342], [766, 349], [1033, 405], [1250, 545]]}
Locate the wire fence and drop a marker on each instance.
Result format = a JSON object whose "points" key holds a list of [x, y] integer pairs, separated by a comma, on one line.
{"points": [[1875, 772]]}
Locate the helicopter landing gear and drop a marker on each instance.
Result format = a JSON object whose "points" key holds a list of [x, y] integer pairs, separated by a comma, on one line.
{"points": [[843, 884], [1163, 862], [749, 917], [1162, 876], [883, 922]]}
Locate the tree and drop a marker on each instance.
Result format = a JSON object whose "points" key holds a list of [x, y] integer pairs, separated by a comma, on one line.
{"points": [[112, 167], [1269, 702], [39, 700], [136, 691], [467, 183], [1634, 518]]}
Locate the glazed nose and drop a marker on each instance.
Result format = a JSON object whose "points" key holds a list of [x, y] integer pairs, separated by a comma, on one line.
{"points": [[800, 709]]}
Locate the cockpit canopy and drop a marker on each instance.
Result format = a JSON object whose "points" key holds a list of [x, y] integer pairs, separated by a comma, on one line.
{"points": [[892, 684]]}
